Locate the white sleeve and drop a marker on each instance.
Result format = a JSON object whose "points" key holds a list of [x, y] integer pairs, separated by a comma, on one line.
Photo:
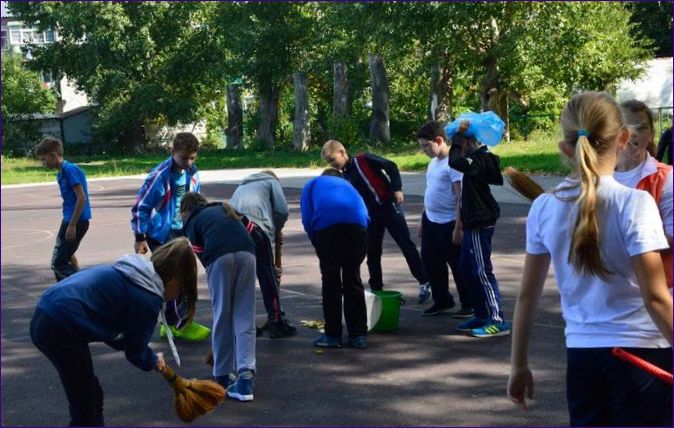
{"points": [[643, 226], [455, 175], [535, 243], [665, 205]]}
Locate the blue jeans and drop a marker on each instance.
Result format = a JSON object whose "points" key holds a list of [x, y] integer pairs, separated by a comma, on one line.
{"points": [[69, 353], [603, 390], [61, 261], [479, 274]]}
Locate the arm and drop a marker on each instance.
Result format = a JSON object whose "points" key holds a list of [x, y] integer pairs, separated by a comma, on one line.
{"points": [[521, 381], [460, 162], [307, 208], [71, 231], [279, 206], [148, 197], [653, 286], [379, 163], [138, 331], [457, 233]]}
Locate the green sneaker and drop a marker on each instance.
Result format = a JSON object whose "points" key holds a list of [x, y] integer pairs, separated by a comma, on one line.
{"points": [[193, 331]]}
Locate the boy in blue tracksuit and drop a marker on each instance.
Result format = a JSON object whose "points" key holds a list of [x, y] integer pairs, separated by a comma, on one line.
{"points": [[76, 208], [479, 213], [335, 218], [117, 305], [227, 252], [155, 216]]}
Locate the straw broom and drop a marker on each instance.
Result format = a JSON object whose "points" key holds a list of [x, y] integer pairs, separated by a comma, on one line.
{"points": [[277, 255], [193, 397], [523, 183]]}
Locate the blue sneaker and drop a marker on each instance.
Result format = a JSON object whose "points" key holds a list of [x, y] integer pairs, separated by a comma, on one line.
{"points": [[242, 388], [358, 342], [424, 293], [226, 381], [471, 324], [492, 330], [325, 341]]}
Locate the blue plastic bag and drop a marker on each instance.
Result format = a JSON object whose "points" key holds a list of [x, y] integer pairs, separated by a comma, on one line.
{"points": [[486, 127]]}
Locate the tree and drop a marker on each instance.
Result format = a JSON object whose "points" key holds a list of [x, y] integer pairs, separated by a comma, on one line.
{"points": [[652, 21], [23, 94], [142, 63]]}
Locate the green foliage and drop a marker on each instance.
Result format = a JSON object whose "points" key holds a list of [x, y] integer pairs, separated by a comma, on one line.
{"points": [[23, 94], [652, 21]]}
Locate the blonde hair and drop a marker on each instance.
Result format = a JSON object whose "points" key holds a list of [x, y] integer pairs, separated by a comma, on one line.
{"points": [[330, 147], [49, 145], [591, 123], [176, 260]]}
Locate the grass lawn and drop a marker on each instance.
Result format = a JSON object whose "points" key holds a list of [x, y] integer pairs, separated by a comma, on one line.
{"points": [[536, 155]]}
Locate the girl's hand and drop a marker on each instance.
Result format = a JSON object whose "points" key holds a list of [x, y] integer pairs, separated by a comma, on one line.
{"points": [[520, 387], [161, 364]]}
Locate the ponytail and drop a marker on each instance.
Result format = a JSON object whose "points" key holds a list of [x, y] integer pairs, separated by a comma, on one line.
{"points": [[584, 253], [591, 123], [230, 211]]}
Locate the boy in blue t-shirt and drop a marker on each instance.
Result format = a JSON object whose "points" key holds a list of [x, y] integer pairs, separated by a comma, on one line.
{"points": [[76, 209]]}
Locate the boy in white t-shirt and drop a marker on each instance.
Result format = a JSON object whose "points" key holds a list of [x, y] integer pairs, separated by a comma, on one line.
{"points": [[440, 228]]}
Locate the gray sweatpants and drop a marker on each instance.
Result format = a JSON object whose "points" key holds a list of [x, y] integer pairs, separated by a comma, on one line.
{"points": [[231, 284]]}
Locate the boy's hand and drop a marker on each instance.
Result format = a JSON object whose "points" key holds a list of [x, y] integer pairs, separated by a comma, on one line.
{"points": [[457, 236], [161, 363], [71, 232], [141, 247], [463, 126], [398, 197]]}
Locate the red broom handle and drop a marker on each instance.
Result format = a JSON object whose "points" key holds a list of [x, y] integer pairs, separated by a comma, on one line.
{"points": [[643, 364]]}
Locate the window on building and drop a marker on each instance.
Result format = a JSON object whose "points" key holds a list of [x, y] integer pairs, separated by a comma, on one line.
{"points": [[15, 37], [49, 36], [5, 42]]}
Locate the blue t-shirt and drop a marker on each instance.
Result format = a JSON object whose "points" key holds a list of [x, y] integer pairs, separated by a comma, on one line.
{"points": [[68, 177], [178, 181], [327, 201]]}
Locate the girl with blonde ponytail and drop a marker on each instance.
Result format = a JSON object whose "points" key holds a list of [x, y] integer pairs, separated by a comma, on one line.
{"points": [[603, 240]]}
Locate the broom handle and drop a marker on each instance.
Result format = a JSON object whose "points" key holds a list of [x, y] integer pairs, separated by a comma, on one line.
{"points": [[643, 364]]}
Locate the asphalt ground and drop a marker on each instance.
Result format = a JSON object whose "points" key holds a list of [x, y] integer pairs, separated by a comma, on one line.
{"points": [[424, 374]]}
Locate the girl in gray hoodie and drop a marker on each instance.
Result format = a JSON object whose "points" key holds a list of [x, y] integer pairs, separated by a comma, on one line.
{"points": [[115, 304]]}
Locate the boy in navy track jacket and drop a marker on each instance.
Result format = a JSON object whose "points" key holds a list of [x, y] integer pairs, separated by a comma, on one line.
{"points": [[378, 181]]}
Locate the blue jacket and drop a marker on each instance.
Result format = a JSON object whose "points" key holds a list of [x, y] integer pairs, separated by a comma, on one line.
{"points": [[118, 305], [327, 201], [153, 212]]}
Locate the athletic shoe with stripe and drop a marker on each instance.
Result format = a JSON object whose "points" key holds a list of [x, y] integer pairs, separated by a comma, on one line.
{"points": [[471, 324], [242, 388], [492, 330]]}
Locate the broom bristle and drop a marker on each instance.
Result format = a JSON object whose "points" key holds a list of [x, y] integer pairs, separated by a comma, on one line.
{"points": [[523, 183], [193, 397]]}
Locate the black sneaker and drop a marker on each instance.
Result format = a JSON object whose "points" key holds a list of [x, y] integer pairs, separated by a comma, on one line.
{"points": [[464, 313], [438, 309], [279, 329]]}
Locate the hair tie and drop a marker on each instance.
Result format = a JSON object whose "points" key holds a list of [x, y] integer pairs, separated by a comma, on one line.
{"points": [[583, 133]]}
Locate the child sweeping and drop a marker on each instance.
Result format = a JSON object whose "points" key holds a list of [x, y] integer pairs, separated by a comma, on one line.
{"points": [[118, 305], [227, 251]]}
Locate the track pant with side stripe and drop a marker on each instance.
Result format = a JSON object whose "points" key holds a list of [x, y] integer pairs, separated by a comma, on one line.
{"points": [[478, 273]]}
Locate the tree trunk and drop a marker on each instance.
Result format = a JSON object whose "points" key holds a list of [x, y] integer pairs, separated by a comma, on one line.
{"points": [[266, 131], [379, 124], [341, 102], [133, 138], [441, 95], [234, 129], [301, 128], [492, 96]]}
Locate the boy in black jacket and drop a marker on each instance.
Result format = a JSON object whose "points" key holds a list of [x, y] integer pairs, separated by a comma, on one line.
{"points": [[383, 197], [479, 212]]}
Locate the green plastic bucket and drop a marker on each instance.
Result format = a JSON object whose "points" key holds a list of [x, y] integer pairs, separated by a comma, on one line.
{"points": [[390, 310]]}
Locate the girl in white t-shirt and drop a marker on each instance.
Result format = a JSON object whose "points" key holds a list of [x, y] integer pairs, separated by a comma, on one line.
{"points": [[603, 239]]}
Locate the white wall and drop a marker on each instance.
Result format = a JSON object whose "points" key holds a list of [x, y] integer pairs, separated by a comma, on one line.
{"points": [[654, 88]]}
